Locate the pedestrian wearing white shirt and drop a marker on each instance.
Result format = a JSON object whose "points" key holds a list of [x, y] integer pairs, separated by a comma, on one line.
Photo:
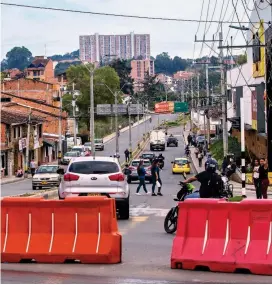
{"points": [[32, 167]]}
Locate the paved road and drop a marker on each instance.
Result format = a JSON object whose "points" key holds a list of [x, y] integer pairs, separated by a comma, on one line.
{"points": [[25, 186], [146, 248]]}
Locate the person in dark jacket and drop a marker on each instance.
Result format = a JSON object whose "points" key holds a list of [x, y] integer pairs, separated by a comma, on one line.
{"points": [[127, 155], [263, 176], [141, 174]]}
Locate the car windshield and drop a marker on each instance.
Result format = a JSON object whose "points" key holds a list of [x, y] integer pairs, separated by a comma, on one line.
{"points": [[147, 155], [47, 169], [135, 163], [181, 161], [88, 144], [71, 154], [77, 149], [98, 141], [94, 167]]}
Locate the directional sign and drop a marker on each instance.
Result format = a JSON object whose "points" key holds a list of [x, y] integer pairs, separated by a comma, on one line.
{"points": [[181, 107], [135, 109], [103, 109], [121, 109]]}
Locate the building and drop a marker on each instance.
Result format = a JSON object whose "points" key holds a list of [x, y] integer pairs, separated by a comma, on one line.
{"points": [[186, 75], [139, 69], [248, 82], [14, 126], [13, 73], [101, 48], [165, 79], [42, 69]]}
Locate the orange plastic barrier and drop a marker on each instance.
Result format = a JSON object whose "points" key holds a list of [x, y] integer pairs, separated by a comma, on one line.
{"points": [[224, 236], [53, 231]]}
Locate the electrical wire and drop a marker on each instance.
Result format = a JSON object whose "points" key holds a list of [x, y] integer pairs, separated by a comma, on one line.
{"points": [[198, 27], [116, 15], [215, 5]]}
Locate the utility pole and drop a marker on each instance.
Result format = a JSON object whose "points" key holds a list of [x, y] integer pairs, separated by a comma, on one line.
{"points": [[208, 98], [116, 125], [192, 95], [224, 109], [129, 132], [243, 149], [182, 90], [198, 97], [74, 115], [138, 119], [60, 120], [92, 112], [27, 144]]}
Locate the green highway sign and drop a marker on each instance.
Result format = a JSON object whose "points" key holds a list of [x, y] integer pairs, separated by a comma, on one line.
{"points": [[181, 107]]}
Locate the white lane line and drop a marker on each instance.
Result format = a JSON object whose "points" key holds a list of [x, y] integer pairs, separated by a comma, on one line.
{"points": [[99, 232], [29, 232], [75, 240], [52, 233], [6, 235]]}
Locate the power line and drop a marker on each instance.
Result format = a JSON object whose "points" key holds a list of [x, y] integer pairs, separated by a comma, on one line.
{"points": [[118, 15], [215, 5], [198, 26]]}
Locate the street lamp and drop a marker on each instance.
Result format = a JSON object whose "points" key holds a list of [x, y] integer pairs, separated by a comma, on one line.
{"points": [[115, 94]]}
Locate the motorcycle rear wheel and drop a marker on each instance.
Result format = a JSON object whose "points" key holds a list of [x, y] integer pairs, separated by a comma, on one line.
{"points": [[171, 220]]}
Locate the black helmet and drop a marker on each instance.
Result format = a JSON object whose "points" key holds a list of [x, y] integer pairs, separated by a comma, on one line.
{"points": [[211, 167]]}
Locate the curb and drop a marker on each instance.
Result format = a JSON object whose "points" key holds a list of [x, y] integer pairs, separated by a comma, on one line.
{"points": [[14, 181]]}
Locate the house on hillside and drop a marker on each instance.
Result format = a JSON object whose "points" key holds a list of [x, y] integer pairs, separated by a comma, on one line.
{"points": [[41, 68]]}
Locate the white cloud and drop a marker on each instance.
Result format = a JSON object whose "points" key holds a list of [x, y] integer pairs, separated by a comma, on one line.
{"points": [[60, 31]]}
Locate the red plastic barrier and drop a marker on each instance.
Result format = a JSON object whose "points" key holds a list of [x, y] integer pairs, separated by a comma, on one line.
{"points": [[52, 231], [224, 236]]}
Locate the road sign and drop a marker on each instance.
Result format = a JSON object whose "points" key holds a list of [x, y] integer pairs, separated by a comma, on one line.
{"points": [[181, 107], [121, 109], [135, 109], [103, 109]]}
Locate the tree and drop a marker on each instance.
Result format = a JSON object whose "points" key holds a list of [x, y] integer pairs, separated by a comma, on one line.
{"points": [[61, 67], [4, 64], [123, 69], [102, 95], [66, 56], [242, 59], [18, 57]]}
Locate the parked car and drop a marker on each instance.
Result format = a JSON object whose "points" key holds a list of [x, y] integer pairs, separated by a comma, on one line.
{"points": [[181, 165], [47, 176], [68, 156], [172, 141], [102, 176], [134, 174], [80, 148], [148, 155]]}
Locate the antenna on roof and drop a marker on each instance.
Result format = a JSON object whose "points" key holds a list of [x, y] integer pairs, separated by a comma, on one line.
{"points": [[45, 51]]}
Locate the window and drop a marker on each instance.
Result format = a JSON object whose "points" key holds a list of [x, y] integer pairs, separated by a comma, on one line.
{"points": [[14, 133], [19, 132], [94, 167]]}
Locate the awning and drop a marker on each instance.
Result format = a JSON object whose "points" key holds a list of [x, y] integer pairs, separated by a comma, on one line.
{"points": [[49, 142]]}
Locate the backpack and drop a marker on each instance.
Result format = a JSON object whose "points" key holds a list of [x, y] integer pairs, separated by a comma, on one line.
{"points": [[216, 185]]}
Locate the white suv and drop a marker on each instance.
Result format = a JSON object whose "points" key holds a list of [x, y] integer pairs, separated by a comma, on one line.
{"points": [[102, 176]]}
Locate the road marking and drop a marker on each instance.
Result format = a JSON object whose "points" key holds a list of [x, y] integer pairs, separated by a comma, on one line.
{"points": [[134, 221], [136, 212]]}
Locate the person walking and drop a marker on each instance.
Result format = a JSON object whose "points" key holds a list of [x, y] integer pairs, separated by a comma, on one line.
{"points": [[263, 176], [127, 155], [156, 180], [141, 175], [256, 179], [196, 152], [200, 158], [32, 167], [189, 139]]}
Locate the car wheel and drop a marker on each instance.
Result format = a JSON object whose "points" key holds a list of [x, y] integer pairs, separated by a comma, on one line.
{"points": [[60, 198], [124, 210], [40, 187], [33, 187], [173, 172], [177, 145], [129, 181]]}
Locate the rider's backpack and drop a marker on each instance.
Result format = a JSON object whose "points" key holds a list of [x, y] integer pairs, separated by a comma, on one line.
{"points": [[216, 185]]}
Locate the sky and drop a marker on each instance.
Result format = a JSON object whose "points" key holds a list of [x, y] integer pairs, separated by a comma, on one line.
{"points": [[60, 31]]}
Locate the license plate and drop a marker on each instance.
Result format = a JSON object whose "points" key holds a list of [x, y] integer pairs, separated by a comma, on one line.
{"points": [[44, 182], [94, 194]]}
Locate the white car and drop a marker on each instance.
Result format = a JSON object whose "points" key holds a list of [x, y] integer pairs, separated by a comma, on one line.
{"points": [[102, 176], [80, 148], [47, 176], [68, 156]]}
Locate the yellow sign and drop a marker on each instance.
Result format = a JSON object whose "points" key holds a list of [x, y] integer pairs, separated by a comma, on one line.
{"points": [[258, 52]]}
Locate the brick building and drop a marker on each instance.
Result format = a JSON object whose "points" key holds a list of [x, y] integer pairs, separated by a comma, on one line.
{"points": [[186, 75], [42, 69], [14, 125]]}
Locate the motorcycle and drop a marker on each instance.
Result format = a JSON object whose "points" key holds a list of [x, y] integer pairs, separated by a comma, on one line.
{"points": [[227, 189], [171, 219], [187, 152], [161, 162]]}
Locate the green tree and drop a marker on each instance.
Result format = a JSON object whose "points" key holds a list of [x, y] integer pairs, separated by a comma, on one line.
{"points": [[102, 95], [123, 69], [18, 57], [3, 75], [242, 59], [4, 64]]}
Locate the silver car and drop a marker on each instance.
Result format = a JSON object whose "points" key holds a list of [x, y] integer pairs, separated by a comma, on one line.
{"points": [[47, 176], [102, 176], [133, 168], [68, 156]]}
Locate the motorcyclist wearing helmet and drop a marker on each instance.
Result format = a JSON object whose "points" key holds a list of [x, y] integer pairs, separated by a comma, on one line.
{"points": [[211, 182], [161, 156], [211, 160]]}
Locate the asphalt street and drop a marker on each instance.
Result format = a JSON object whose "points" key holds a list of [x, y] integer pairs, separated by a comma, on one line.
{"points": [[146, 247], [25, 186]]}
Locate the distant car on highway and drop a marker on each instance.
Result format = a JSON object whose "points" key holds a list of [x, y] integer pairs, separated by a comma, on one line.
{"points": [[47, 176], [99, 144], [68, 156], [133, 168], [148, 155], [99, 176], [172, 141], [181, 165]]}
